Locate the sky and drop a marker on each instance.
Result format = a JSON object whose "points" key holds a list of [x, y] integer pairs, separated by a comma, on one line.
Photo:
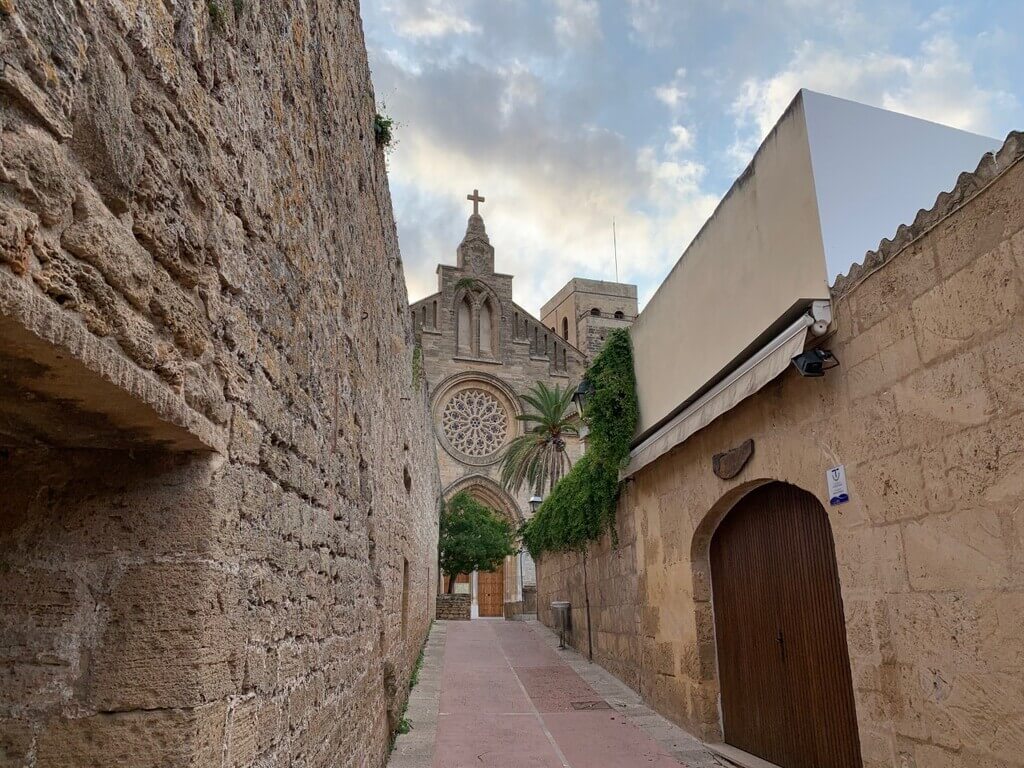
{"points": [[569, 114]]}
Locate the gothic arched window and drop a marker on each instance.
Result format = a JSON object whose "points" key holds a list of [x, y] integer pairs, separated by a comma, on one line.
{"points": [[463, 336], [565, 327], [487, 326]]}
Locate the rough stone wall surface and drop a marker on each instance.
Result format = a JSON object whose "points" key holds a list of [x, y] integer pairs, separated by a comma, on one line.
{"points": [[194, 210], [927, 414]]}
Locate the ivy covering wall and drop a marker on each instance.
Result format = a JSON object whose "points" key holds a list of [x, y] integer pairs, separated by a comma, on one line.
{"points": [[581, 507]]}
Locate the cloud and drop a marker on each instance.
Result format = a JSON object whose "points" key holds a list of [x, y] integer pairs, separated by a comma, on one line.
{"points": [[937, 83], [577, 22], [653, 23], [429, 18], [674, 93], [553, 179], [682, 140]]}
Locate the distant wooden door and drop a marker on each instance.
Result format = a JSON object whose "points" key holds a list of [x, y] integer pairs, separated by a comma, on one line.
{"points": [[783, 664], [490, 591]]}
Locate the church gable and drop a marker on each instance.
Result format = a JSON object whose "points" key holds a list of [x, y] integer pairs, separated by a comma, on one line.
{"points": [[472, 318]]}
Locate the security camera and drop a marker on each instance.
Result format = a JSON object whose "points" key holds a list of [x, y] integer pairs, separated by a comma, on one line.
{"points": [[814, 362]]}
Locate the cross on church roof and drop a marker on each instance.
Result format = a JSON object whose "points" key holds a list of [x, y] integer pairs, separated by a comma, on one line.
{"points": [[477, 199]]}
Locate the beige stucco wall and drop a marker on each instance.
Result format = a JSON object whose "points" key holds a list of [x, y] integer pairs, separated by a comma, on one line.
{"points": [[927, 414], [758, 255]]}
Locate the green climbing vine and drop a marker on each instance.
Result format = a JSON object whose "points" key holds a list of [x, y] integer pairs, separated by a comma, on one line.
{"points": [[581, 507]]}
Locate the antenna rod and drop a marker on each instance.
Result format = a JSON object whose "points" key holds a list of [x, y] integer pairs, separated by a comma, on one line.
{"points": [[615, 248]]}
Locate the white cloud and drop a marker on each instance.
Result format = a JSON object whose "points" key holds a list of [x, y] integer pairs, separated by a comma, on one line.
{"points": [[553, 184], [429, 18], [652, 21], [577, 22], [673, 94], [938, 83], [682, 140]]}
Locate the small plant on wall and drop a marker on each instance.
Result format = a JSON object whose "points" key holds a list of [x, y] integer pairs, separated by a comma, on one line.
{"points": [[384, 130], [473, 537]]}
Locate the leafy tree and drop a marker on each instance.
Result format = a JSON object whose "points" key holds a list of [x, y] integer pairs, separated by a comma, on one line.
{"points": [[473, 538], [538, 456]]}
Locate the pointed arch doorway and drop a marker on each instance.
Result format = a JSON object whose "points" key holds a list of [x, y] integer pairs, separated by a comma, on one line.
{"points": [[780, 632], [490, 590]]}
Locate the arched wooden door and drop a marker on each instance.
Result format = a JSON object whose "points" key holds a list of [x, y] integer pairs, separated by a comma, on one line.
{"points": [[783, 664]]}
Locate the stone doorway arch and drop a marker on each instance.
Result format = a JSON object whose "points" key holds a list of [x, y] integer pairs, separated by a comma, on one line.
{"points": [[490, 591], [772, 628]]}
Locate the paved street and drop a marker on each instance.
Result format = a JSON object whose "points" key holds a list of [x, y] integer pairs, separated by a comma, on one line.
{"points": [[498, 694]]}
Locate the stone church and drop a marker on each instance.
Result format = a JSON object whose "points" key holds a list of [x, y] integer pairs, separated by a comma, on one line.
{"points": [[480, 350]]}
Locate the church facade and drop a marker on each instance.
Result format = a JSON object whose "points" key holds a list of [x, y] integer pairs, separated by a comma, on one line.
{"points": [[480, 350]]}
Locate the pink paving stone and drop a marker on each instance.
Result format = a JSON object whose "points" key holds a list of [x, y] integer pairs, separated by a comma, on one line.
{"points": [[605, 740], [516, 741], [554, 689], [522, 648], [481, 689], [486, 720]]}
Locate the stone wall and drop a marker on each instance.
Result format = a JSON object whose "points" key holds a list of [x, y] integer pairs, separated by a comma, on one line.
{"points": [[927, 414], [219, 520], [454, 607]]}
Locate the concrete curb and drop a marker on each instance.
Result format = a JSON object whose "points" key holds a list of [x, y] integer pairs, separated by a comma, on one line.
{"points": [[415, 749]]}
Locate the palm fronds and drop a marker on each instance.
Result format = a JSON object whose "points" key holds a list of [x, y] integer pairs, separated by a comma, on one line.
{"points": [[538, 456]]}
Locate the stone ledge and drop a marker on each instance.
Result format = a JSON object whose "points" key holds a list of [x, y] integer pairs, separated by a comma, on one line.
{"points": [[63, 386]]}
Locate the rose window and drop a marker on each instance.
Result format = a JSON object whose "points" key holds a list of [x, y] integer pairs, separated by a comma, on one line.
{"points": [[474, 422]]}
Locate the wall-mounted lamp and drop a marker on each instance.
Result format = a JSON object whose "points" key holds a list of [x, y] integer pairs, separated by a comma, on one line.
{"points": [[582, 396], [814, 362], [535, 502]]}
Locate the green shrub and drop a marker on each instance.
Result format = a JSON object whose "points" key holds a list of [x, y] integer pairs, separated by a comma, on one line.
{"points": [[581, 507], [472, 537]]}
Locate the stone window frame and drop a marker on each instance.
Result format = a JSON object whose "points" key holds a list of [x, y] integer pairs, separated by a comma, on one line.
{"points": [[481, 298], [450, 386]]}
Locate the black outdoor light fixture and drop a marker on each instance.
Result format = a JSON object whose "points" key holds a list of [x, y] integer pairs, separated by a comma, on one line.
{"points": [[535, 502], [814, 362], [582, 396]]}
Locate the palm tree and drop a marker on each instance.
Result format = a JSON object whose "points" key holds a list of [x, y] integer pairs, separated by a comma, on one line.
{"points": [[538, 456]]}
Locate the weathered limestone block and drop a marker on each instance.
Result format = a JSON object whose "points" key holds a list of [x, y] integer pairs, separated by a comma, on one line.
{"points": [[192, 737], [147, 654], [36, 168], [17, 231], [967, 305], [99, 239]]}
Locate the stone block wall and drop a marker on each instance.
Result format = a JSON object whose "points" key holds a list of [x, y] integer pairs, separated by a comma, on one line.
{"points": [[454, 607], [219, 517], [926, 412], [610, 582]]}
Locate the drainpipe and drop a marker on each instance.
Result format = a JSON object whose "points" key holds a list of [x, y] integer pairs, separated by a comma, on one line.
{"points": [[586, 601]]}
